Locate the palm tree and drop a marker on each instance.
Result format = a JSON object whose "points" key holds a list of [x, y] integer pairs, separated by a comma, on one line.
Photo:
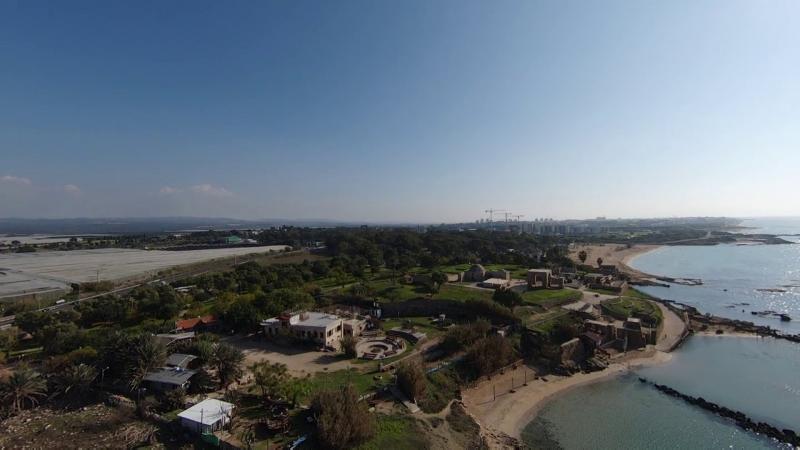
{"points": [[228, 362], [147, 355], [74, 380], [24, 387]]}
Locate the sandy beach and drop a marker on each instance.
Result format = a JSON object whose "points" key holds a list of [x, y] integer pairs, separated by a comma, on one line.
{"points": [[618, 254], [509, 413], [503, 406]]}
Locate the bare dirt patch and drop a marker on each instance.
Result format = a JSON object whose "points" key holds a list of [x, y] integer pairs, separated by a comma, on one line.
{"points": [[299, 360], [94, 426]]}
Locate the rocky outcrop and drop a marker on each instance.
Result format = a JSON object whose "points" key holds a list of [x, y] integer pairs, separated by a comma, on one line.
{"points": [[742, 421]]}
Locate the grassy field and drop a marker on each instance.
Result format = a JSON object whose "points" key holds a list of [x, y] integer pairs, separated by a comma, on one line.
{"points": [[631, 292], [422, 324], [516, 270], [387, 291], [396, 432], [549, 297], [625, 307], [545, 322], [462, 293], [363, 382]]}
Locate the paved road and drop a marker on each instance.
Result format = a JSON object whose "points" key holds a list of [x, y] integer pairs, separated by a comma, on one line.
{"points": [[671, 330]]}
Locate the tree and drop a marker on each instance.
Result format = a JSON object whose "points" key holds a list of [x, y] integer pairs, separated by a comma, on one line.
{"points": [[461, 336], [296, 388], [599, 262], [201, 382], [242, 316], [228, 362], [24, 387], [342, 421], [349, 346], [271, 378], [582, 256], [173, 399], [439, 278], [145, 355], [33, 321], [488, 355], [411, 379], [74, 380], [281, 300], [507, 297], [8, 339]]}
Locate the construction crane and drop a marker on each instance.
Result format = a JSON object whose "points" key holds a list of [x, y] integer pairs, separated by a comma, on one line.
{"points": [[518, 216], [508, 214], [491, 213]]}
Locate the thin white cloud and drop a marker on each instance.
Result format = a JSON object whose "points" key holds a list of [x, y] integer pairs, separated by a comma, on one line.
{"points": [[72, 189], [214, 191], [168, 190], [15, 180]]}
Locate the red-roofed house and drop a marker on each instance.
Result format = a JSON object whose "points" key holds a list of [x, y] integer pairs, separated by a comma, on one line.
{"points": [[196, 324]]}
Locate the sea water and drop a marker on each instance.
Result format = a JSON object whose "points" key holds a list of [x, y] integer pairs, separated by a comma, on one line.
{"points": [[757, 376], [737, 280]]}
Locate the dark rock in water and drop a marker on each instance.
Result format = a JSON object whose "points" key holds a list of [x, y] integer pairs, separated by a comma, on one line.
{"points": [[785, 318], [742, 421]]}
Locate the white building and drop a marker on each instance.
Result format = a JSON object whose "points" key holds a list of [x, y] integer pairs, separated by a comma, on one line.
{"points": [[207, 416], [322, 328]]}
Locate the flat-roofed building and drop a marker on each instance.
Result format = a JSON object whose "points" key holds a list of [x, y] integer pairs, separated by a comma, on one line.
{"points": [[207, 416], [168, 378], [322, 328]]}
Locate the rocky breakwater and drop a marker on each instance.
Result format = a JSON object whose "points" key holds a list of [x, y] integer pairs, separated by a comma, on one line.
{"points": [[742, 421], [700, 321]]}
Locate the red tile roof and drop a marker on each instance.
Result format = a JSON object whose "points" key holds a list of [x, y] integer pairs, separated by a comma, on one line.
{"points": [[190, 324]]}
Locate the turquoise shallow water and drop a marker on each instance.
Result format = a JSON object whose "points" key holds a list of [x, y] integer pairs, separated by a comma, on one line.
{"points": [[757, 376], [760, 377]]}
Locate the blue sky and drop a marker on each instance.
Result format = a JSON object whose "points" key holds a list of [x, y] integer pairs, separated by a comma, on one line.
{"points": [[399, 111]]}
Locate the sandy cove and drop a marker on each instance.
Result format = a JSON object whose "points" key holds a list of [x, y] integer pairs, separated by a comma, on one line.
{"points": [[510, 413], [617, 254], [507, 415]]}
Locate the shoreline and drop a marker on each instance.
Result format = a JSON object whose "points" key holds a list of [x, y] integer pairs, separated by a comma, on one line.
{"points": [[508, 415], [503, 406]]}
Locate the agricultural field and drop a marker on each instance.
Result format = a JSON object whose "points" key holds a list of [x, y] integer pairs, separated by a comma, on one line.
{"points": [[112, 264]]}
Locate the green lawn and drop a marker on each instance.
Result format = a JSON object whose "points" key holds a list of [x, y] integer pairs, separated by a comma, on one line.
{"points": [[545, 322], [395, 432], [550, 297], [462, 293], [635, 293], [625, 307], [386, 291], [517, 271], [363, 382], [422, 324]]}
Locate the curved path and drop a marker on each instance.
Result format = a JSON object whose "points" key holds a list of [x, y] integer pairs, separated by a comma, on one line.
{"points": [[671, 330]]}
